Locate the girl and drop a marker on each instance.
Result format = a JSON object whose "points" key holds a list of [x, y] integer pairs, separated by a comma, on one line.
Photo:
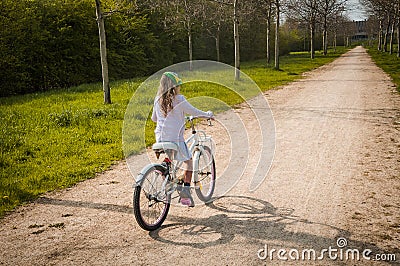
{"points": [[169, 112]]}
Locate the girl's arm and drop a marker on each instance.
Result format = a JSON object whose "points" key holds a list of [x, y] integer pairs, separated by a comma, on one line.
{"points": [[154, 115], [191, 110]]}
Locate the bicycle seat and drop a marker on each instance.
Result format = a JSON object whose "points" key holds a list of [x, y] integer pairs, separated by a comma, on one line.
{"points": [[162, 146]]}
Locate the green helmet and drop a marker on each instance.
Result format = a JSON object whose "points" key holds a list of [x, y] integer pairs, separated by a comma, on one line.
{"points": [[174, 78]]}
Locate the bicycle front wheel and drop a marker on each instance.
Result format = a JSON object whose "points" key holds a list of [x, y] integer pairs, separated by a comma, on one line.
{"points": [[150, 201], [205, 167]]}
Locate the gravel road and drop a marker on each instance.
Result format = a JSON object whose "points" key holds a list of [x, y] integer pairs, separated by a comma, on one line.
{"points": [[334, 184]]}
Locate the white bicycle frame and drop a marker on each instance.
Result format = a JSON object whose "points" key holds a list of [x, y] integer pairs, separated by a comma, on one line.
{"points": [[197, 138]]}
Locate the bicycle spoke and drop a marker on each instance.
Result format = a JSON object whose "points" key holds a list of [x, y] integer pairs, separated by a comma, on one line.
{"points": [[151, 203]]}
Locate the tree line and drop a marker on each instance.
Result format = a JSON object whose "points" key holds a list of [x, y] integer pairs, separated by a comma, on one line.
{"points": [[55, 44], [384, 23]]}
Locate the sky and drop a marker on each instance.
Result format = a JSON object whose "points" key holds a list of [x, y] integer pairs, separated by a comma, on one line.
{"points": [[355, 10]]}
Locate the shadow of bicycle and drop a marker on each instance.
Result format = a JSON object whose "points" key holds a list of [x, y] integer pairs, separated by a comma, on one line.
{"points": [[258, 222]]}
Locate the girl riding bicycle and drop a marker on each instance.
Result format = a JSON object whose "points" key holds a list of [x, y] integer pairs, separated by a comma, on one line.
{"points": [[169, 111]]}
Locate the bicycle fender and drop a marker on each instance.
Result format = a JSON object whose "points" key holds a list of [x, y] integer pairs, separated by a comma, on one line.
{"points": [[140, 176]]}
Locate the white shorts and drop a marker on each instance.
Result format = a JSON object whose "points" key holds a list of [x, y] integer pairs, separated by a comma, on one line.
{"points": [[183, 153]]}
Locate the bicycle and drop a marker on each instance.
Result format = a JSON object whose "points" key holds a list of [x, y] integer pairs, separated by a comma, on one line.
{"points": [[156, 182]]}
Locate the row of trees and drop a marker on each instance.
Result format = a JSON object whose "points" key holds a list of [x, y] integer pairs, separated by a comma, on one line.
{"points": [[52, 44], [385, 17], [213, 14]]}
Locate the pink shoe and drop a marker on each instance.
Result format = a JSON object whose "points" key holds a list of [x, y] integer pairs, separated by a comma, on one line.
{"points": [[186, 201]]}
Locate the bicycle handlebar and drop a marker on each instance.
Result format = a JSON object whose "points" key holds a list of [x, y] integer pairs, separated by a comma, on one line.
{"points": [[191, 118]]}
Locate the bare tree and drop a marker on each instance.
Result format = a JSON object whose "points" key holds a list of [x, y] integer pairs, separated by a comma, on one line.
{"points": [[398, 27], [103, 52], [387, 11], [216, 14], [265, 12], [237, 11], [337, 23], [277, 25], [269, 21], [236, 38], [179, 13], [306, 11], [328, 9], [124, 6]]}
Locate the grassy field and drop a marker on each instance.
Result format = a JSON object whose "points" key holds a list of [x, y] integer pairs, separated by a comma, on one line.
{"points": [[55, 139], [390, 63]]}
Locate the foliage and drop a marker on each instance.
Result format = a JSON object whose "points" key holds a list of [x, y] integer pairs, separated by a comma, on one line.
{"points": [[47, 45], [54, 44]]}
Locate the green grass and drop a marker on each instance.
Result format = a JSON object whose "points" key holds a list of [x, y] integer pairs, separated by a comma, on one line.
{"points": [[390, 63], [55, 139]]}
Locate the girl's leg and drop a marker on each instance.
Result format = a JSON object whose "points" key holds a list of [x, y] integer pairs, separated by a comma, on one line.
{"points": [[186, 198], [188, 171]]}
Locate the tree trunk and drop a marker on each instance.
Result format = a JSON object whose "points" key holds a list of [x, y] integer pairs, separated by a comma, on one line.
{"points": [[385, 39], [391, 39], [335, 41], [217, 41], [325, 42], [398, 38], [190, 49], [217, 48], [103, 53], [312, 30], [325, 37], [236, 39], [269, 32], [277, 10], [380, 35]]}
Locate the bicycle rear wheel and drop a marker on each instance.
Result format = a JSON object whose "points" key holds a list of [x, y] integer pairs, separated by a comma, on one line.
{"points": [[150, 201], [206, 175]]}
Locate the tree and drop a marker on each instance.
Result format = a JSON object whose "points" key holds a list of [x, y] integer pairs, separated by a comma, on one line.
{"points": [[268, 33], [328, 9], [103, 53], [239, 9], [398, 26], [215, 17], [277, 22], [236, 38], [387, 11], [46, 45], [264, 10], [179, 14], [307, 11]]}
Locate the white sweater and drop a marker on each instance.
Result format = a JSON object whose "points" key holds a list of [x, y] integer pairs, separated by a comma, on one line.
{"points": [[172, 127]]}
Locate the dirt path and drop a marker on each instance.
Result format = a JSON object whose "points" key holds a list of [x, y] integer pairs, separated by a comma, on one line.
{"points": [[336, 173]]}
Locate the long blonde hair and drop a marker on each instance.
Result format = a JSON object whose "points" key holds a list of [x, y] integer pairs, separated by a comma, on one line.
{"points": [[166, 94]]}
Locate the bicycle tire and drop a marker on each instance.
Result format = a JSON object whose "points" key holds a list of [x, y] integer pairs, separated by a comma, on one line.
{"points": [[206, 186], [147, 194]]}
